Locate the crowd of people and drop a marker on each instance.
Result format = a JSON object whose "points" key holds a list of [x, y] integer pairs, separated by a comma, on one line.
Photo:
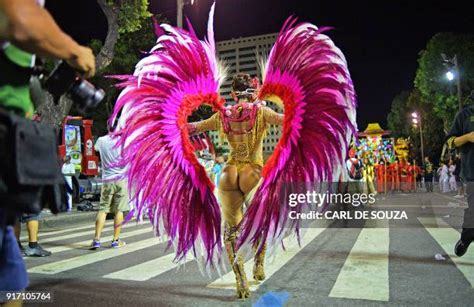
{"points": [[402, 176]]}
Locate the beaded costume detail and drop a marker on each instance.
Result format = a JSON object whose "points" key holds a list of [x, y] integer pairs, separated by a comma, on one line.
{"points": [[245, 144]]}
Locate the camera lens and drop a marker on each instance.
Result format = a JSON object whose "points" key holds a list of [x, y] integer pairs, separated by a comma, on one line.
{"points": [[64, 79], [86, 95]]}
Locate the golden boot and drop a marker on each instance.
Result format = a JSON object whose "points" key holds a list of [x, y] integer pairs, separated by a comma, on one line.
{"points": [[258, 271], [242, 285]]}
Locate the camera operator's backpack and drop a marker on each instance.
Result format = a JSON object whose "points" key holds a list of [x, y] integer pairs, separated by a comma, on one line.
{"points": [[30, 172]]}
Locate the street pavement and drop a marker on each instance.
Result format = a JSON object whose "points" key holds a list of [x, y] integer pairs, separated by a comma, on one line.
{"points": [[378, 262]]}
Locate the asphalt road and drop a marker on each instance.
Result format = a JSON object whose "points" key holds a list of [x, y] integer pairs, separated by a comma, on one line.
{"points": [[372, 263]]}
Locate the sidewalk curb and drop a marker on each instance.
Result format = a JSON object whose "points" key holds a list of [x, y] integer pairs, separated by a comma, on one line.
{"points": [[50, 220]]}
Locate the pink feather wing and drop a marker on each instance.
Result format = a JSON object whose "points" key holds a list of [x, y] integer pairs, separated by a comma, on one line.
{"points": [[165, 179], [310, 76]]}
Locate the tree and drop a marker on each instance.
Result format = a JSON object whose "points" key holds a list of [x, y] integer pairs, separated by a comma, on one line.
{"points": [[397, 120], [432, 124], [399, 123], [129, 49], [431, 74], [123, 18]]}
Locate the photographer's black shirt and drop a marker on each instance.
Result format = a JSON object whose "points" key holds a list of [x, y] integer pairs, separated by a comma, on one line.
{"points": [[463, 124]]}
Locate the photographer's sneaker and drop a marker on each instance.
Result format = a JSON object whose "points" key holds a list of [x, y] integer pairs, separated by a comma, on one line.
{"points": [[117, 243], [95, 245], [36, 251], [461, 247], [458, 196]]}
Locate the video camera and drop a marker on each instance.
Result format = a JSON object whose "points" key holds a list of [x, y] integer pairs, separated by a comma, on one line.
{"points": [[63, 79], [30, 170]]}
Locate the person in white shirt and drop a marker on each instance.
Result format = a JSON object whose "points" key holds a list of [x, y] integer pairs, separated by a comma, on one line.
{"points": [[114, 195], [443, 172], [355, 170], [68, 171], [452, 177]]}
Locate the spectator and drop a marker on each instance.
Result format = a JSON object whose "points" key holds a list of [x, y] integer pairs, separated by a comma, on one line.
{"points": [[217, 170], [206, 160], [355, 170], [32, 226], [443, 173], [69, 171], [26, 26], [428, 174], [452, 176], [461, 136], [114, 195]]}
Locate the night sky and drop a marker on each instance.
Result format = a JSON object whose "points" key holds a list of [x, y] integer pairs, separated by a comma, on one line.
{"points": [[380, 39]]}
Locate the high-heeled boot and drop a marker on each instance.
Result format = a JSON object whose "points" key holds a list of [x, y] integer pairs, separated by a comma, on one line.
{"points": [[230, 236], [258, 271]]}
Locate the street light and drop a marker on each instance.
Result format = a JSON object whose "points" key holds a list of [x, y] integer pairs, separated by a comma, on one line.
{"points": [[453, 73], [450, 76], [180, 5], [416, 120]]}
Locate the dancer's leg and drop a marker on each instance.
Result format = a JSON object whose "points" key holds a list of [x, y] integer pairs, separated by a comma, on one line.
{"points": [[249, 176], [231, 199]]}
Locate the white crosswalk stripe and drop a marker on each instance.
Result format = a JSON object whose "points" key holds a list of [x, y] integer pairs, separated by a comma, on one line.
{"points": [[446, 236], [86, 243], [83, 260], [365, 272], [56, 232], [364, 275], [292, 249], [146, 270], [76, 235]]}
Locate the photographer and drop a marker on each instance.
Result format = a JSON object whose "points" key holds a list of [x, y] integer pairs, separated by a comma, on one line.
{"points": [[461, 137], [26, 29]]}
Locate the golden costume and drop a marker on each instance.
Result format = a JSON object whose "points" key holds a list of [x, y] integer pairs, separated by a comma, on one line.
{"points": [[244, 127]]}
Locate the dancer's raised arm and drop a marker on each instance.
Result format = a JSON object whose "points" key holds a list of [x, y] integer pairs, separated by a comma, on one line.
{"points": [[272, 117], [205, 125]]}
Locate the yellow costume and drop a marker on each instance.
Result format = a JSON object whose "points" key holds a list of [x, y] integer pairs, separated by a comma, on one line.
{"points": [[243, 126], [245, 148]]}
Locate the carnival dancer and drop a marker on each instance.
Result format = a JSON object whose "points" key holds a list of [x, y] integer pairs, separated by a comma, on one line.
{"points": [[305, 74], [244, 126], [390, 177], [412, 174], [369, 175], [396, 175], [380, 170], [405, 176]]}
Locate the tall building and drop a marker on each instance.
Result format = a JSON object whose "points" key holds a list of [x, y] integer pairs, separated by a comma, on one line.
{"points": [[241, 55]]}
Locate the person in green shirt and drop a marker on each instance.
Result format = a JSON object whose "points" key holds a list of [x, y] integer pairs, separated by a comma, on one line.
{"points": [[26, 28]]}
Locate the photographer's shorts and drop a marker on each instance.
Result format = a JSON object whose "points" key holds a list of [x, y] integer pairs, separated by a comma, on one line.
{"points": [[27, 217], [114, 197], [13, 276]]}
